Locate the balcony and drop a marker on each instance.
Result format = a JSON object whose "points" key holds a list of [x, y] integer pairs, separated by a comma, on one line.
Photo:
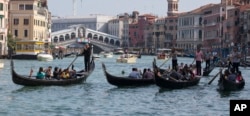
{"points": [[2, 30], [211, 24]]}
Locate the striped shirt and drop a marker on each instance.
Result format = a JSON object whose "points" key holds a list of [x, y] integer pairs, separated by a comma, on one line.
{"points": [[198, 56]]}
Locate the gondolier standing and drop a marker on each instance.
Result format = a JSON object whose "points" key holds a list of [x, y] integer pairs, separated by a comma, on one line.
{"points": [[198, 58], [236, 56], [87, 54], [207, 57], [174, 59]]}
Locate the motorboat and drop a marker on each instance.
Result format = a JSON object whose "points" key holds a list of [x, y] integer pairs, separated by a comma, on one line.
{"points": [[1, 64], [118, 51], [108, 55], [126, 58], [44, 57]]}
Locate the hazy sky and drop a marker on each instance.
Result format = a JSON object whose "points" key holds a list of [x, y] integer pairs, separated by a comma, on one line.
{"points": [[114, 7]]}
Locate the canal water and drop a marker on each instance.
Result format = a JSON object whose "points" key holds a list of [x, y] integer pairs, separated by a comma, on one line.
{"points": [[96, 97]]}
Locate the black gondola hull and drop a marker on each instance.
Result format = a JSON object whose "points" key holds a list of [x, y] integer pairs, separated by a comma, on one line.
{"points": [[227, 85], [170, 83], [32, 81], [166, 82], [121, 81]]}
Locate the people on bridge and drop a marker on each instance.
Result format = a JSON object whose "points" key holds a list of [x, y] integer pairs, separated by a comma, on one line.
{"points": [[87, 54]]}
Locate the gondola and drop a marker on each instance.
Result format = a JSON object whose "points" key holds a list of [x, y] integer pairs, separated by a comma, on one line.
{"points": [[227, 85], [166, 81], [121, 81], [32, 81]]}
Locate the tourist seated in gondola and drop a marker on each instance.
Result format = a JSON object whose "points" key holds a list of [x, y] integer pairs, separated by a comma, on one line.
{"points": [[40, 74], [148, 74], [226, 73], [232, 76], [176, 75], [56, 73], [72, 73], [181, 66], [65, 74], [135, 73], [144, 72], [239, 77], [48, 73]]}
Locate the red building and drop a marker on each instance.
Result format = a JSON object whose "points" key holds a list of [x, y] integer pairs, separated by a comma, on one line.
{"points": [[136, 30]]}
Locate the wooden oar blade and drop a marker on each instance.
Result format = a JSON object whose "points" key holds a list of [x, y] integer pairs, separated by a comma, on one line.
{"points": [[214, 78]]}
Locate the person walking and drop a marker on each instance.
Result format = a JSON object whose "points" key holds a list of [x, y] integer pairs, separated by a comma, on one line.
{"points": [[198, 58], [87, 54]]}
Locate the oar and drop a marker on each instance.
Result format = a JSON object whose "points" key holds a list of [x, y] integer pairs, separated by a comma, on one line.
{"points": [[164, 62], [31, 71], [72, 61], [214, 77], [193, 62]]}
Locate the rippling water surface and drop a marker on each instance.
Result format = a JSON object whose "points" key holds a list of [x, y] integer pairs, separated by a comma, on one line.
{"points": [[97, 97]]}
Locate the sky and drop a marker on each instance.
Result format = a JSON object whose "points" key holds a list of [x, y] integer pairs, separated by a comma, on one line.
{"points": [[64, 8]]}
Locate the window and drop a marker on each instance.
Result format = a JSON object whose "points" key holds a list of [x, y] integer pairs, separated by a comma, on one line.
{"points": [[1, 37], [16, 33], [200, 34], [171, 28], [16, 21], [28, 7], [21, 7], [25, 33], [26, 21], [1, 6]]}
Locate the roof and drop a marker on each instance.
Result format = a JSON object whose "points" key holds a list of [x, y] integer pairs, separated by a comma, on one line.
{"points": [[198, 10], [244, 7]]}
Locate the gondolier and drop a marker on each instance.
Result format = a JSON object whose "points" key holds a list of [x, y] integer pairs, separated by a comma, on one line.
{"points": [[198, 58], [236, 56], [174, 59], [87, 53]]}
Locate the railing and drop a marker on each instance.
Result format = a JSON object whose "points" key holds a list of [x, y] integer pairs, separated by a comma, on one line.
{"points": [[102, 45]]}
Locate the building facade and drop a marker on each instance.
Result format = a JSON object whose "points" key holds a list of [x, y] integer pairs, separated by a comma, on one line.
{"points": [[3, 27], [158, 32], [136, 30], [190, 33], [29, 24], [170, 31]]}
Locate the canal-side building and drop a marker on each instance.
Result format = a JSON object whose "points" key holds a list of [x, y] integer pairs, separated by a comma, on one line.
{"points": [[120, 27], [244, 24], [3, 27], [136, 30], [212, 24], [170, 31], [190, 32], [29, 25], [159, 33]]}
